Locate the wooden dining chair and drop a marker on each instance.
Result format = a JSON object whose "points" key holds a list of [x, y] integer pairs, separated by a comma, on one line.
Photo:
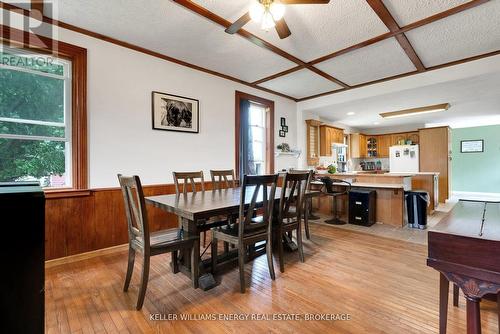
{"points": [[189, 180], [250, 228], [186, 182], [141, 240], [223, 179], [308, 199], [291, 205]]}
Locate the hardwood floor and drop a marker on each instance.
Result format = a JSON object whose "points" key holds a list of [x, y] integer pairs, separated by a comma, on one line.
{"points": [[383, 284]]}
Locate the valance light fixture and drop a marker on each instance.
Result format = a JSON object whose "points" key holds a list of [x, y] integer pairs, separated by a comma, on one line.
{"points": [[266, 12], [416, 111]]}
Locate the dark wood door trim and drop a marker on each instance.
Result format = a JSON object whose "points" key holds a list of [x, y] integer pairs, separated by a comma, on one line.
{"points": [[269, 130]]}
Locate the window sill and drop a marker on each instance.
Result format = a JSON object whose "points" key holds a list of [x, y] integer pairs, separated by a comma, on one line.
{"points": [[64, 193]]}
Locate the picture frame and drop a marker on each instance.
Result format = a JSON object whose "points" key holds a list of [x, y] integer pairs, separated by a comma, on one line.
{"points": [[282, 133], [472, 146], [282, 121], [285, 128], [175, 113]]}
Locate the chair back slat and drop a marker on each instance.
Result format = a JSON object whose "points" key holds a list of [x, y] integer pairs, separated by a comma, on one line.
{"points": [[223, 179], [188, 178], [260, 186], [135, 208], [293, 193]]}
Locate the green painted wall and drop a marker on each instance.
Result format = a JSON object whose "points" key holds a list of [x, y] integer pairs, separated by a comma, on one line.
{"points": [[476, 172]]}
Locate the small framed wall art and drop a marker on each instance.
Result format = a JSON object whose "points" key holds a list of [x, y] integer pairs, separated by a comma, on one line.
{"points": [[175, 113]]}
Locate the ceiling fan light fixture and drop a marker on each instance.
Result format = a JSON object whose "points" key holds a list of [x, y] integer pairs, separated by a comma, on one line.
{"points": [[257, 11], [267, 21], [277, 10]]}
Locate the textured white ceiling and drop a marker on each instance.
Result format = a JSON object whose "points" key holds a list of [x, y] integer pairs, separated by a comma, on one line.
{"points": [[317, 30], [474, 99], [380, 60], [300, 84], [409, 11], [463, 35], [168, 28]]}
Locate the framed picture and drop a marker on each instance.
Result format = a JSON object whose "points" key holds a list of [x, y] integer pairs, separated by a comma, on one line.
{"points": [[175, 113], [471, 146], [283, 121], [282, 133], [285, 128]]}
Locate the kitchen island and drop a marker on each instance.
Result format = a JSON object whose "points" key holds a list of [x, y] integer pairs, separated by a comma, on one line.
{"points": [[389, 188]]}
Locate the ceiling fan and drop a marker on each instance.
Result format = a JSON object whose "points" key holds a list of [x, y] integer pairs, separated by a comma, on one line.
{"points": [[269, 13]]}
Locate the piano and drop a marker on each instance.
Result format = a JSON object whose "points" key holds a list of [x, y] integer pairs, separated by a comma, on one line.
{"points": [[465, 248]]}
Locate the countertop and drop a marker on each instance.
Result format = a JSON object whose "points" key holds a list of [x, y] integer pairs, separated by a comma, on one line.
{"points": [[374, 175]]}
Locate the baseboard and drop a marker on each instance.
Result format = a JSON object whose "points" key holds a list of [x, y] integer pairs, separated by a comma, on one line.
{"points": [[476, 195], [85, 256]]}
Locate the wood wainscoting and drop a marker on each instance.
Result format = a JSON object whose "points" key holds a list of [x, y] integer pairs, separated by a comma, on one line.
{"points": [[79, 224]]}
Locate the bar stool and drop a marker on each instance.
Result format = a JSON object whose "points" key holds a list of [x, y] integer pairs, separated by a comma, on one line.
{"points": [[329, 191]]}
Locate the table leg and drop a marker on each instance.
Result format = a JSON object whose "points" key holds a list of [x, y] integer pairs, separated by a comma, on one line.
{"points": [[444, 286], [455, 295], [306, 218], [473, 315]]}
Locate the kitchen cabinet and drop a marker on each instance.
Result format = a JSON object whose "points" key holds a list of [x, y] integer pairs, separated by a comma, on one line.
{"points": [[372, 146], [384, 142], [312, 137], [435, 156], [396, 138], [329, 135], [358, 145], [413, 136]]}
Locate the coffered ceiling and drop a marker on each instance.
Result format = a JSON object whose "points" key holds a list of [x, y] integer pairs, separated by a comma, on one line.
{"points": [[335, 47]]}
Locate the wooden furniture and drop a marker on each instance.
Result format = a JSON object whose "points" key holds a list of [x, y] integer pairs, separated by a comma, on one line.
{"points": [[312, 141], [383, 144], [223, 179], [463, 247], [195, 208], [188, 178], [435, 156], [329, 135], [389, 199], [331, 190], [23, 226], [290, 211], [151, 244], [250, 228], [189, 182], [372, 146], [358, 145]]}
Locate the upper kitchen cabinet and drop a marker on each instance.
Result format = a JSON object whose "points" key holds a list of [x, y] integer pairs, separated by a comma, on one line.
{"points": [[403, 137], [413, 137], [358, 145], [383, 144], [329, 135]]}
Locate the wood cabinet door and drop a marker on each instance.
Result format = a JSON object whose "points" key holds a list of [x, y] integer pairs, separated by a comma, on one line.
{"points": [[384, 142], [413, 136], [362, 146], [396, 138]]}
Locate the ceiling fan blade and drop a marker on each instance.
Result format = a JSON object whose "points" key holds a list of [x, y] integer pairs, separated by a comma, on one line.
{"points": [[233, 28], [282, 29], [304, 2]]}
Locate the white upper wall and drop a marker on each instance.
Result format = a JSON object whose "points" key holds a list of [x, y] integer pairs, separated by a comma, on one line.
{"points": [[120, 135]]}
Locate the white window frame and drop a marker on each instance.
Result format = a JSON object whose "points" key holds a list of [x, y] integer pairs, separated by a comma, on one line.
{"points": [[66, 124], [262, 142]]}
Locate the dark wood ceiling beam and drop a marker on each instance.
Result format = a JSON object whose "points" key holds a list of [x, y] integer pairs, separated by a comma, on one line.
{"points": [[385, 16], [436, 17], [37, 5], [398, 76], [200, 10], [277, 75], [48, 20]]}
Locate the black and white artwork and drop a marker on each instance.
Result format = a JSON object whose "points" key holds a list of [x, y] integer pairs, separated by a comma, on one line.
{"points": [[175, 113]]}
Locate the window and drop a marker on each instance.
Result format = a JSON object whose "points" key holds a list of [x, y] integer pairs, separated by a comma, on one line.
{"points": [[254, 149], [258, 129], [45, 117], [35, 118]]}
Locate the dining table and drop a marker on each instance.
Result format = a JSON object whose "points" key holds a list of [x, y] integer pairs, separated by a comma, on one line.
{"points": [[195, 208]]}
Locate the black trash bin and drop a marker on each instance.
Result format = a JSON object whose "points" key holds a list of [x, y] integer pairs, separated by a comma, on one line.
{"points": [[416, 206]]}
